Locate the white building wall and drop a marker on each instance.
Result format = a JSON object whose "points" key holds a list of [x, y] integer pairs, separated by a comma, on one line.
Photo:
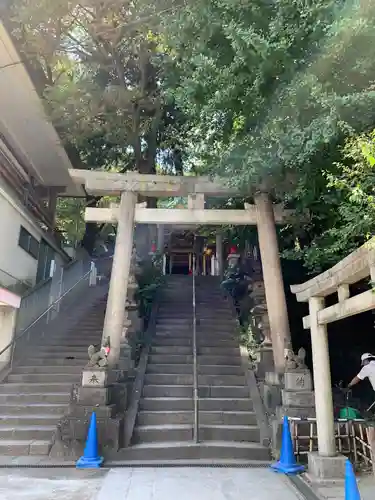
{"points": [[13, 259]]}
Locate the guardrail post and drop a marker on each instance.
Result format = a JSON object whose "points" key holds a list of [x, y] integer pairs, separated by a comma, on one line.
{"points": [[93, 274]]}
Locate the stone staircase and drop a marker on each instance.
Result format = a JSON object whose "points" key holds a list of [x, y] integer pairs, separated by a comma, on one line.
{"points": [[36, 394], [228, 429]]}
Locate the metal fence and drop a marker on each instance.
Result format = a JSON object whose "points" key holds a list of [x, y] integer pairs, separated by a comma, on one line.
{"points": [[353, 439], [48, 301]]}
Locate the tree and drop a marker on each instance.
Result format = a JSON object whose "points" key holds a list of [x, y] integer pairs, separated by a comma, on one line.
{"points": [[270, 92], [269, 85], [98, 65], [344, 211]]}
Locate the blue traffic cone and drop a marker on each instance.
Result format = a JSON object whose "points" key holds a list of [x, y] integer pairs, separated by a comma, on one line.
{"points": [[351, 487], [287, 463], [90, 458]]}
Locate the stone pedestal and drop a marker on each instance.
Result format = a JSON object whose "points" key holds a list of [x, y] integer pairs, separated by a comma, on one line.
{"points": [[99, 392], [288, 395], [298, 398], [321, 469], [273, 384], [264, 361]]}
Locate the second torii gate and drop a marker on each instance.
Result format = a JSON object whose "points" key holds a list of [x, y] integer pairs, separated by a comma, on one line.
{"points": [[263, 214]]}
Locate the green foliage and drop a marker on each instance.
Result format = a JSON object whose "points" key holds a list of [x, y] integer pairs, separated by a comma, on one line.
{"points": [[267, 85], [69, 219], [99, 65], [347, 212], [247, 339], [264, 93]]}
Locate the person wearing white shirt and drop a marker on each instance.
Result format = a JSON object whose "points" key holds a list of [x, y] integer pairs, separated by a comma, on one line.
{"points": [[367, 371]]}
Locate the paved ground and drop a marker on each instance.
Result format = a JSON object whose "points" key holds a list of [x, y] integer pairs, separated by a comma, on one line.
{"points": [[195, 483], [50, 484], [336, 492], [159, 484], [145, 484]]}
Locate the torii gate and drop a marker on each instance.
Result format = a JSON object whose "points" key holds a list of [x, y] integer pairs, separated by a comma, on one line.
{"points": [[263, 214]]}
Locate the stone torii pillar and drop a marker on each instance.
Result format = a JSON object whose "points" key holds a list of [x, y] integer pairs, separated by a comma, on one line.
{"points": [[115, 312], [273, 280]]}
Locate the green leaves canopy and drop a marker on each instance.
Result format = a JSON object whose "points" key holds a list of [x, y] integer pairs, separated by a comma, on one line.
{"points": [[267, 85]]}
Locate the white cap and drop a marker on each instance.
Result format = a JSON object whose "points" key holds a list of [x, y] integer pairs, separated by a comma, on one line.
{"points": [[366, 356]]}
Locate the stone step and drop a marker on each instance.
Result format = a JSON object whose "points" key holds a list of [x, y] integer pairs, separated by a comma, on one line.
{"points": [[57, 348], [173, 368], [32, 361], [222, 417], [240, 433], [208, 418], [186, 319], [168, 379], [210, 341], [170, 358], [213, 326], [45, 369], [55, 410], [32, 398], [169, 341], [188, 333], [25, 388], [173, 334], [187, 379], [177, 313], [19, 448], [176, 332], [220, 369], [171, 350], [171, 417], [9, 420], [73, 342], [221, 380], [170, 452], [203, 340], [225, 404], [56, 354], [219, 351], [215, 330], [28, 432], [168, 391], [162, 433], [223, 391], [166, 404], [43, 377], [219, 360]]}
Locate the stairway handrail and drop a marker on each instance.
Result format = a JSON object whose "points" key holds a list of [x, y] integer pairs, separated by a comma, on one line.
{"points": [[195, 367], [51, 306]]}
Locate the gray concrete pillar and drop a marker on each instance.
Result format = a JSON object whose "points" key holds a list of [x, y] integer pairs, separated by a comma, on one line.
{"points": [[115, 312], [273, 280], [322, 381]]}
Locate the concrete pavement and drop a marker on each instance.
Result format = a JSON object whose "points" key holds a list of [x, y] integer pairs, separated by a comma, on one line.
{"points": [[149, 483], [50, 484], [205, 483]]}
